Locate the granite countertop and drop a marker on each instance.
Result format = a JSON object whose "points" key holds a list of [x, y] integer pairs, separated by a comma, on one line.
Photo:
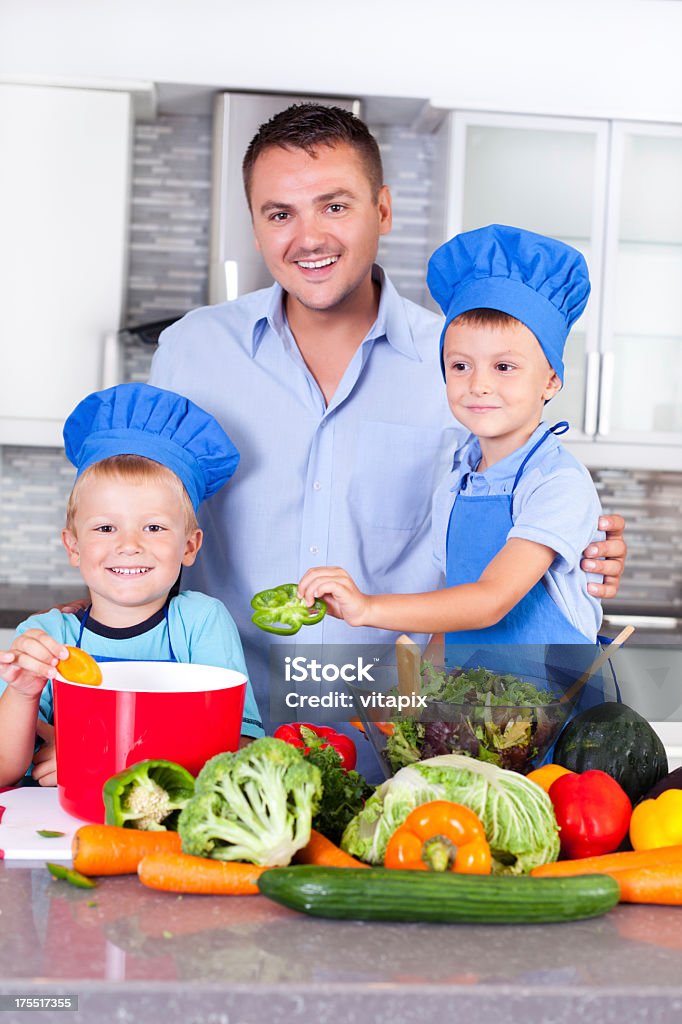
{"points": [[132, 954]]}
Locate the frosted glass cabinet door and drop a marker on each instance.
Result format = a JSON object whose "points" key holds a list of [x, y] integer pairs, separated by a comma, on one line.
{"points": [[546, 175], [641, 381]]}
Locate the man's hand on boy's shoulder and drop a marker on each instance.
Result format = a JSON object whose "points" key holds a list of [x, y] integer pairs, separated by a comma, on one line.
{"points": [[67, 609], [607, 557]]}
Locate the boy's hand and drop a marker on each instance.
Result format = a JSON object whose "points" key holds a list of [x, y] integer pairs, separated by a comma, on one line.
{"points": [[45, 759], [607, 557], [334, 585], [31, 661]]}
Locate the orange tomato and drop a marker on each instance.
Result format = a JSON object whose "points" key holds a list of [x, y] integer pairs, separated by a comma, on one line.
{"points": [[549, 773], [79, 667]]}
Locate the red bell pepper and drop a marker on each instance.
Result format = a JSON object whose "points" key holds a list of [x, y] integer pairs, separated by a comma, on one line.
{"points": [[593, 812], [343, 745]]}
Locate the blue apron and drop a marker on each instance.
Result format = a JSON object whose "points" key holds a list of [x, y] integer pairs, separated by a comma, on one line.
{"points": [[477, 531], [103, 658]]}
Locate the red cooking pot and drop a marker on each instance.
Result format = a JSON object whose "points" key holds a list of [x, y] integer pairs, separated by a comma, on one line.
{"points": [[180, 712]]}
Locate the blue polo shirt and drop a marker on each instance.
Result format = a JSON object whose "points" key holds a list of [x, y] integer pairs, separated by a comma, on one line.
{"points": [[555, 504]]}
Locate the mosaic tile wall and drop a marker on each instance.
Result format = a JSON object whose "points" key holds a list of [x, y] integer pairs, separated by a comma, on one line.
{"points": [[167, 275], [169, 220], [651, 503]]}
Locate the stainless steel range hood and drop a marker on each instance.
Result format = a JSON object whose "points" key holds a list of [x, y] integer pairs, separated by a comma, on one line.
{"points": [[235, 265]]}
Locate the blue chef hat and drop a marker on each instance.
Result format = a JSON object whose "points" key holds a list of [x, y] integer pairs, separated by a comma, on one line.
{"points": [[138, 419], [542, 282]]}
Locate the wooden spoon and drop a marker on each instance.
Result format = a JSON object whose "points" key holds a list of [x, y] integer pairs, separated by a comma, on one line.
{"points": [[408, 659], [617, 642]]}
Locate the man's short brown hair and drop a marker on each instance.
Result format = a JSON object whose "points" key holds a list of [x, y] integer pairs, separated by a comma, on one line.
{"points": [[308, 126]]}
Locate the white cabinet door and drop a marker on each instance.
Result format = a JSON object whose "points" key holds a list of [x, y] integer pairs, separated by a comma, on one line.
{"points": [[64, 194], [641, 379], [546, 175]]}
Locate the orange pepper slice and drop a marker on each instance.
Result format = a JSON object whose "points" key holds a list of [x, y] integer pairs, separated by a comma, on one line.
{"points": [[440, 836], [79, 667]]}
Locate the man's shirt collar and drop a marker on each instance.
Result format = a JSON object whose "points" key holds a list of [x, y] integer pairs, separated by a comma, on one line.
{"points": [[391, 324]]}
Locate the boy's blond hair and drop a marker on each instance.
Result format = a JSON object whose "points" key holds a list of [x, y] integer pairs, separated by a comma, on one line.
{"points": [[131, 469], [485, 317]]}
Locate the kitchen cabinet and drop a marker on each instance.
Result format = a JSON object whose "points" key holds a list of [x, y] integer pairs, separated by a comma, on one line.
{"points": [[642, 323], [610, 189], [64, 211]]}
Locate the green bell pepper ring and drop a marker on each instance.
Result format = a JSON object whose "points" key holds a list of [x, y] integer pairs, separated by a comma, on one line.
{"points": [[147, 795], [70, 876], [281, 611]]}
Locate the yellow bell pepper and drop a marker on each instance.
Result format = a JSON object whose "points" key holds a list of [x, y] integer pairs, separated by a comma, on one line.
{"points": [[657, 822]]}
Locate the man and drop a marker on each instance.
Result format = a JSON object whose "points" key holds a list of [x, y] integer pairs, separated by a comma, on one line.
{"points": [[329, 384]]}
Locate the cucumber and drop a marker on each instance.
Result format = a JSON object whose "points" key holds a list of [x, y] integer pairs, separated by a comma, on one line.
{"points": [[377, 894]]}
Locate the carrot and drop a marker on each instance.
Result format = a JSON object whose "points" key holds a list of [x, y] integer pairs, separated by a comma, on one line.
{"points": [[611, 862], [385, 727], [660, 883], [112, 850], [181, 872], [321, 850]]}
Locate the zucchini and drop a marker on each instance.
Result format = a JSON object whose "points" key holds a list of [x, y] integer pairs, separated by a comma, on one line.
{"points": [[377, 894]]}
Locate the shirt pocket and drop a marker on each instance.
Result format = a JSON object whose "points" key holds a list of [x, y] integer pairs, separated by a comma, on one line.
{"points": [[394, 470]]}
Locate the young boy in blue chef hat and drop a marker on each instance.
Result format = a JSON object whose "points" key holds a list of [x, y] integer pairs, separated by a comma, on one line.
{"points": [[516, 509], [146, 459]]}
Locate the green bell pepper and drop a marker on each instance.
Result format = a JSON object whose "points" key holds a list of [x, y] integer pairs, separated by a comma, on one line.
{"points": [[69, 875], [147, 795], [281, 611]]}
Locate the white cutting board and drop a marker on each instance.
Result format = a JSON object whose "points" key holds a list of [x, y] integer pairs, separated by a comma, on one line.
{"points": [[25, 811]]}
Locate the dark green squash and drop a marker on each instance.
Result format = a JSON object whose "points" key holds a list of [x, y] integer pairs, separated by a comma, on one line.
{"points": [[616, 740]]}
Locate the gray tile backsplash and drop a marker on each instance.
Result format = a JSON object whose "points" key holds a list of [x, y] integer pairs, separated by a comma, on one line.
{"points": [[169, 221], [168, 265], [34, 487]]}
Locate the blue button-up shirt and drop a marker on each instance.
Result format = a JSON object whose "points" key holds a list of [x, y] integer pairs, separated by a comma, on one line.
{"points": [[346, 484], [555, 503]]}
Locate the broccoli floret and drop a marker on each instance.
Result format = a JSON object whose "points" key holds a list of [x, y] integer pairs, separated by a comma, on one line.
{"points": [[254, 805]]}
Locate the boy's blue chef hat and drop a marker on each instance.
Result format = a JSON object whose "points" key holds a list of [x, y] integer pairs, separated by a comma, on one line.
{"points": [[138, 419], [542, 282]]}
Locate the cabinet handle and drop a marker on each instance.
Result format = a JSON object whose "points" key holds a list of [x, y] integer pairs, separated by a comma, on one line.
{"points": [[592, 361], [231, 268], [605, 393]]}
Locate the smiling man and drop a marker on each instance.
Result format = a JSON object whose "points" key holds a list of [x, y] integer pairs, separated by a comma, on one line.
{"points": [[329, 383]]}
